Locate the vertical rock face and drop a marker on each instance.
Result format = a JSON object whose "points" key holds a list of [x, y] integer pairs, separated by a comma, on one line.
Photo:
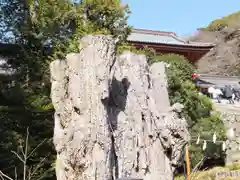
{"points": [[113, 117], [232, 121], [81, 134]]}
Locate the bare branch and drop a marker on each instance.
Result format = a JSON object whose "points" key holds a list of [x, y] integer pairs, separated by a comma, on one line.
{"points": [[28, 172], [16, 176], [25, 156], [38, 165], [21, 149], [26, 144], [18, 156], [2, 178], [198, 164], [5, 176], [43, 175], [192, 175], [36, 148]]}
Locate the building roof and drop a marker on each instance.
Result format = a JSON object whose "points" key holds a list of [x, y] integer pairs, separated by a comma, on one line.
{"points": [[220, 81], [162, 37]]}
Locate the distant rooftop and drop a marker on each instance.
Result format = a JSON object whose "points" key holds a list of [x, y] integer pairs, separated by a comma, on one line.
{"points": [[219, 80], [162, 37]]}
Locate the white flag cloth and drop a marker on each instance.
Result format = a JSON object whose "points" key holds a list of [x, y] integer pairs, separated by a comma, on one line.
{"points": [[223, 146], [204, 145], [214, 138], [198, 140], [230, 133]]}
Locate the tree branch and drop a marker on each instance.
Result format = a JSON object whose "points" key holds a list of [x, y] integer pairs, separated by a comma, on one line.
{"points": [[18, 156], [38, 166], [36, 148], [4, 176]]}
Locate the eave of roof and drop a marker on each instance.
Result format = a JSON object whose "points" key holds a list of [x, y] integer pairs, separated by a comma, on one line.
{"points": [[179, 47], [220, 80], [162, 37]]}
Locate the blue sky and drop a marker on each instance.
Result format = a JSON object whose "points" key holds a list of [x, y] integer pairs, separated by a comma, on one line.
{"points": [[180, 16]]}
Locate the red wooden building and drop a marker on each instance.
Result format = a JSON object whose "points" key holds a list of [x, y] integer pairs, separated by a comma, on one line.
{"points": [[168, 42]]}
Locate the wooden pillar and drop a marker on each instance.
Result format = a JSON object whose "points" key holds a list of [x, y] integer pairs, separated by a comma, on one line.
{"points": [[187, 160], [189, 56]]}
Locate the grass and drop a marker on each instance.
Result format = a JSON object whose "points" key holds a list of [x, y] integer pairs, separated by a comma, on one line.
{"points": [[211, 174]]}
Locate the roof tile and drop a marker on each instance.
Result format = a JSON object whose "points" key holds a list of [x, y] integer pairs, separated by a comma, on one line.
{"points": [[161, 37]]}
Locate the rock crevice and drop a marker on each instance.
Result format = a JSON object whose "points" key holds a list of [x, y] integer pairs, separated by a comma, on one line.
{"points": [[113, 118]]}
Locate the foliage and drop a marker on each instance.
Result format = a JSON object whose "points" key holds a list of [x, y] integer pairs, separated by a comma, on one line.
{"points": [[219, 24], [100, 17], [26, 170], [149, 52], [197, 108], [205, 128], [108, 15], [181, 88], [14, 123]]}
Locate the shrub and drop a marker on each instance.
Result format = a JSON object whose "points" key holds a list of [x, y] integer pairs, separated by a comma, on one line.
{"points": [[197, 108]]}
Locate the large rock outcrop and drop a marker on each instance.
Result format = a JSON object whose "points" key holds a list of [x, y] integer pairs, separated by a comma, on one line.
{"points": [[113, 118], [224, 58]]}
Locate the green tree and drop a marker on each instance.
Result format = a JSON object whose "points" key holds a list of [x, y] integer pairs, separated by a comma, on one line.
{"points": [[197, 108], [42, 30], [231, 20]]}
